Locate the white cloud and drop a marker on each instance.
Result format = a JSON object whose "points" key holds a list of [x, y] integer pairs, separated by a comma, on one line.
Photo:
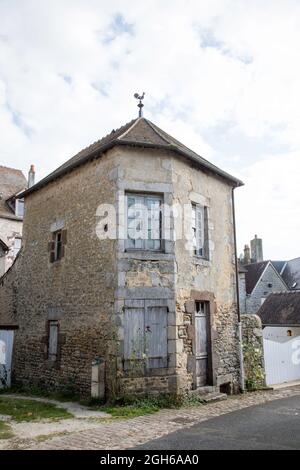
{"points": [[215, 73]]}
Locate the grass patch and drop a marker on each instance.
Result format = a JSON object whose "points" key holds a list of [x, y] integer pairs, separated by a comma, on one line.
{"points": [[132, 407], [30, 410], [5, 432], [34, 391]]}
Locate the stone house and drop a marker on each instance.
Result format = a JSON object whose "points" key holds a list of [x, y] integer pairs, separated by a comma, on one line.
{"points": [[261, 280], [12, 182], [96, 307]]}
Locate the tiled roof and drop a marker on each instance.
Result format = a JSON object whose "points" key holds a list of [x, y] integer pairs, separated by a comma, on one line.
{"points": [[12, 181], [281, 309], [140, 133]]}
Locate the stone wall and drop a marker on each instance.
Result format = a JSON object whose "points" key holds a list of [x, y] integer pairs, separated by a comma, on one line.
{"points": [[253, 351], [88, 289], [78, 290], [211, 279]]}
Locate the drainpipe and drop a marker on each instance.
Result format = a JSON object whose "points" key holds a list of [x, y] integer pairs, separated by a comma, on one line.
{"points": [[240, 335]]}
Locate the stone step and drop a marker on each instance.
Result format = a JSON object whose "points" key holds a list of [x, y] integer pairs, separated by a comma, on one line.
{"points": [[204, 390], [213, 397]]}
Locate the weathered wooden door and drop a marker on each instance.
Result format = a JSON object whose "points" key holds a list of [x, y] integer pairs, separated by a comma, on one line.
{"points": [[201, 342], [6, 348]]}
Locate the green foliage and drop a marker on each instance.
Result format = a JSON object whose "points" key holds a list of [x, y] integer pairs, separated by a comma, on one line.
{"points": [[254, 372], [31, 410], [65, 394], [130, 406], [5, 432]]}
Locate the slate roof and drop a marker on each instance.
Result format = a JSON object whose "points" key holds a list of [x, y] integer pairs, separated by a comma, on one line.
{"points": [[12, 181], [291, 273], [139, 132], [278, 265], [241, 268], [281, 309], [254, 272]]}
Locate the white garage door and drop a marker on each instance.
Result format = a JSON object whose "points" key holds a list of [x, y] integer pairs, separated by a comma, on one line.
{"points": [[6, 348], [282, 355]]}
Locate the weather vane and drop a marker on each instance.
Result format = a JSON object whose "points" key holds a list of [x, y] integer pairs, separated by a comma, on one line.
{"points": [[140, 105]]}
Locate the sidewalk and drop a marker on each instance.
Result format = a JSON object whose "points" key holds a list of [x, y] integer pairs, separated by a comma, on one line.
{"points": [[133, 432]]}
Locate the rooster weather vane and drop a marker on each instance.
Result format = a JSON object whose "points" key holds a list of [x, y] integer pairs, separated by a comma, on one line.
{"points": [[140, 105]]}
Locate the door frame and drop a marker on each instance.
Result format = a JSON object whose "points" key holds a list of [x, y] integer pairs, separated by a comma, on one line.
{"points": [[209, 298]]}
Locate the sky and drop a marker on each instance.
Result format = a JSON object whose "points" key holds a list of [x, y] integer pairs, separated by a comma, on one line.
{"points": [[222, 76]]}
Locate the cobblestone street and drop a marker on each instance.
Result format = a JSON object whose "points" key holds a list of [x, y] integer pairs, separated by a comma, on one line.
{"points": [[125, 434]]}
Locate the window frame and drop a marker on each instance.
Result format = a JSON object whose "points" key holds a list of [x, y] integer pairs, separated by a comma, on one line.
{"points": [[56, 247], [16, 251], [18, 204], [199, 208], [53, 357], [144, 241]]}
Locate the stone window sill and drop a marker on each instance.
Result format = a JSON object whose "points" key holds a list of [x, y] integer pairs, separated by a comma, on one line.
{"points": [[147, 255], [197, 260]]}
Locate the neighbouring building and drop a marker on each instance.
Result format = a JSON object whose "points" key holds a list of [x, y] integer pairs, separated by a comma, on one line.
{"points": [[290, 273], [258, 278], [261, 279], [12, 182], [92, 305], [280, 317]]}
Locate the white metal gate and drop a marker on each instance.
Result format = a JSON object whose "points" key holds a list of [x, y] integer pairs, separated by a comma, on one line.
{"points": [[6, 348], [282, 360]]}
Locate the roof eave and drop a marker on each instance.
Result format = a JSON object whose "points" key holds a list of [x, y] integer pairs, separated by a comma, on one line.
{"points": [[173, 148], [98, 152]]}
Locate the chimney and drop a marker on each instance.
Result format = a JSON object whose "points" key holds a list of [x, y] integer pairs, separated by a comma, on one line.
{"points": [[247, 258], [256, 250], [31, 176]]}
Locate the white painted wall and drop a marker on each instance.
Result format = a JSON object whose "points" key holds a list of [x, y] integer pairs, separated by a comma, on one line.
{"points": [[282, 354], [9, 229]]}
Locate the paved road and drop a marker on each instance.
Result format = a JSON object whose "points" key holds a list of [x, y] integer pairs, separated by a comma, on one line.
{"points": [[273, 425]]}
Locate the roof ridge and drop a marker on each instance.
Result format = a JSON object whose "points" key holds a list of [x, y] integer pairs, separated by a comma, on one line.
{"points": [[12, 168], [157, 131], [135, 122], [114, 131]]}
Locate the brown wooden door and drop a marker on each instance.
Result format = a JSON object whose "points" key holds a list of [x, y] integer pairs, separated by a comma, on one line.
{"points": [[201, 343]]}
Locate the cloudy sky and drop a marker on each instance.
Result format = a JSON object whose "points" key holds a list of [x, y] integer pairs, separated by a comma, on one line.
{"points": [[222, 76]]}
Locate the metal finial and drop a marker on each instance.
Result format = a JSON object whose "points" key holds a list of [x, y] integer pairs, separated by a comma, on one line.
{"points": [[140, 105]]}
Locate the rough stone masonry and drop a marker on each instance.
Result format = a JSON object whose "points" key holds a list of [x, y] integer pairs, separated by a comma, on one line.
{"points": [[93, 292]]}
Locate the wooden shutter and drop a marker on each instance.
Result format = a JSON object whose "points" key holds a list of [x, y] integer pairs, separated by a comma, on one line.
{"points": [[51, 249], [156, 334], [64, 237], [134, 340]]}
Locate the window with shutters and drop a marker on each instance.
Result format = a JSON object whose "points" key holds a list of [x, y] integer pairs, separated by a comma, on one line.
{"points": [[53, 340], [57, 245], [144, 222], [200, 231], [145, 334]]}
